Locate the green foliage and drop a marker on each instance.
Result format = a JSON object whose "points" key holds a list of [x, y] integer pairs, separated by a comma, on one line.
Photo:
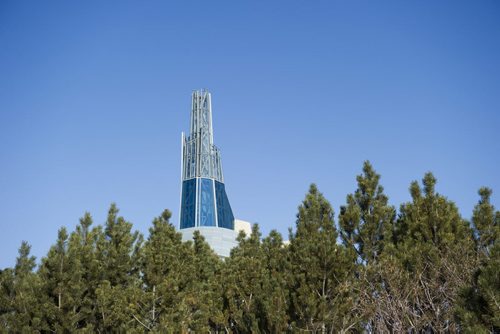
{"points": [[276, 299], [321, 270], [486, 221], [367, 220], [478, 308], [243, 278], [21, 300], [432, 261], [60, 275], [428, 270], [366, 228]]}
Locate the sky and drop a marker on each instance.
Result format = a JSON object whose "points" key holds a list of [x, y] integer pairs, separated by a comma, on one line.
{"points": [[94, 96]]}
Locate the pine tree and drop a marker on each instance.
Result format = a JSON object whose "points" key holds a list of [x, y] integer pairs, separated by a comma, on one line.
{"points": [[478, 309], [6, 288], [165, 266], [366, 224], [486, 222], [205, 305], [22, 311], [119, 249], [431, 263], [82, 249], [367, 220], [276, 296], [58, 274], [118, 254], [322, 271], [243, 278]]}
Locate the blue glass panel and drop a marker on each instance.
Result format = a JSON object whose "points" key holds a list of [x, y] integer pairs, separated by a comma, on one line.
{"points": [[207, 205], [224, 212], [188, 203]]}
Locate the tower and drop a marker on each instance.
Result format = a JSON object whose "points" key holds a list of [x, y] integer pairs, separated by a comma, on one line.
{"points": [[204, 203]]}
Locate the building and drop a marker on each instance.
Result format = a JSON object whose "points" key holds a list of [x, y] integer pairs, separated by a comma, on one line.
{"points": [[204, 203]]}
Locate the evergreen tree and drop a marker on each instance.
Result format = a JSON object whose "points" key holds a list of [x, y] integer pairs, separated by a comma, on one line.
{"points": [[59, 276], [82, 249], [205, 304], [322, 270], [6, 288], [119, 250], [276, 296], [118, 254], [22, 311], [166, 262], [486, 222], [431, 263], [367, 220], [366, 224], [243, 279], [478, 309]]}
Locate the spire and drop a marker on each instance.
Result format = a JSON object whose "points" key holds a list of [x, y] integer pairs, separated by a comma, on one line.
{"points": [[203, 199], [201, 158], [201, 114]]}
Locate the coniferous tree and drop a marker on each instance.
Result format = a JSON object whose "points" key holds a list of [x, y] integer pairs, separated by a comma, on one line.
{"points": [[82, 249], [366, 224], [166, 262], [321, 293], [431, 262], [243, 277], [367, 220], [276, 296], [6, 288], [22, 311], [478, 309], [118, 253], [60, 277], [204, 292], [486, 222]]}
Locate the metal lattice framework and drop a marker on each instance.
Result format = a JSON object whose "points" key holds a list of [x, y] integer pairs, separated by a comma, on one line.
{"points": [[203, 196], [201, 158]]}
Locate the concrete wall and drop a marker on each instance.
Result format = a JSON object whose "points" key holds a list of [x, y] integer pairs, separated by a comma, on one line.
{"points": [[241, 225], [221, 240]]}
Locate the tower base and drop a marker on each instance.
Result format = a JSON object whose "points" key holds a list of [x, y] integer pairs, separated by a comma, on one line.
{"points": [[221, 240]]}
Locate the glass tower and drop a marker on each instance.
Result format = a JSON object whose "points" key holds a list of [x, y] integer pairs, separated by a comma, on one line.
{"points": [[204, 202]]}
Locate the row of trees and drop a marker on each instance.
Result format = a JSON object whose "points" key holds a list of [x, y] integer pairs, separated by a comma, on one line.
{"points": [[422, 269]]}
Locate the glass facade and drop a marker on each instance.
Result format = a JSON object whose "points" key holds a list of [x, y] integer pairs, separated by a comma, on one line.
{"points": [[207, 203], [224, 212], [188, 206], [199, 206]]}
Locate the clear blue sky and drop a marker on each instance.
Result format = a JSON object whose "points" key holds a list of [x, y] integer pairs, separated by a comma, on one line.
{"points": [[94, 96]]}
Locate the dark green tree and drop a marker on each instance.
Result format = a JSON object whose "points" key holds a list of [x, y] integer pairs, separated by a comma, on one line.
{"points": [[366, 221], [432, 261], [21, 290], [243, 277], [166, 264], [478, 309], [203, 301], [87, 272], [486, 222], [118, 255], [6, 288], [197, 306], [276, 296], [321, 291], [60, 275]]}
